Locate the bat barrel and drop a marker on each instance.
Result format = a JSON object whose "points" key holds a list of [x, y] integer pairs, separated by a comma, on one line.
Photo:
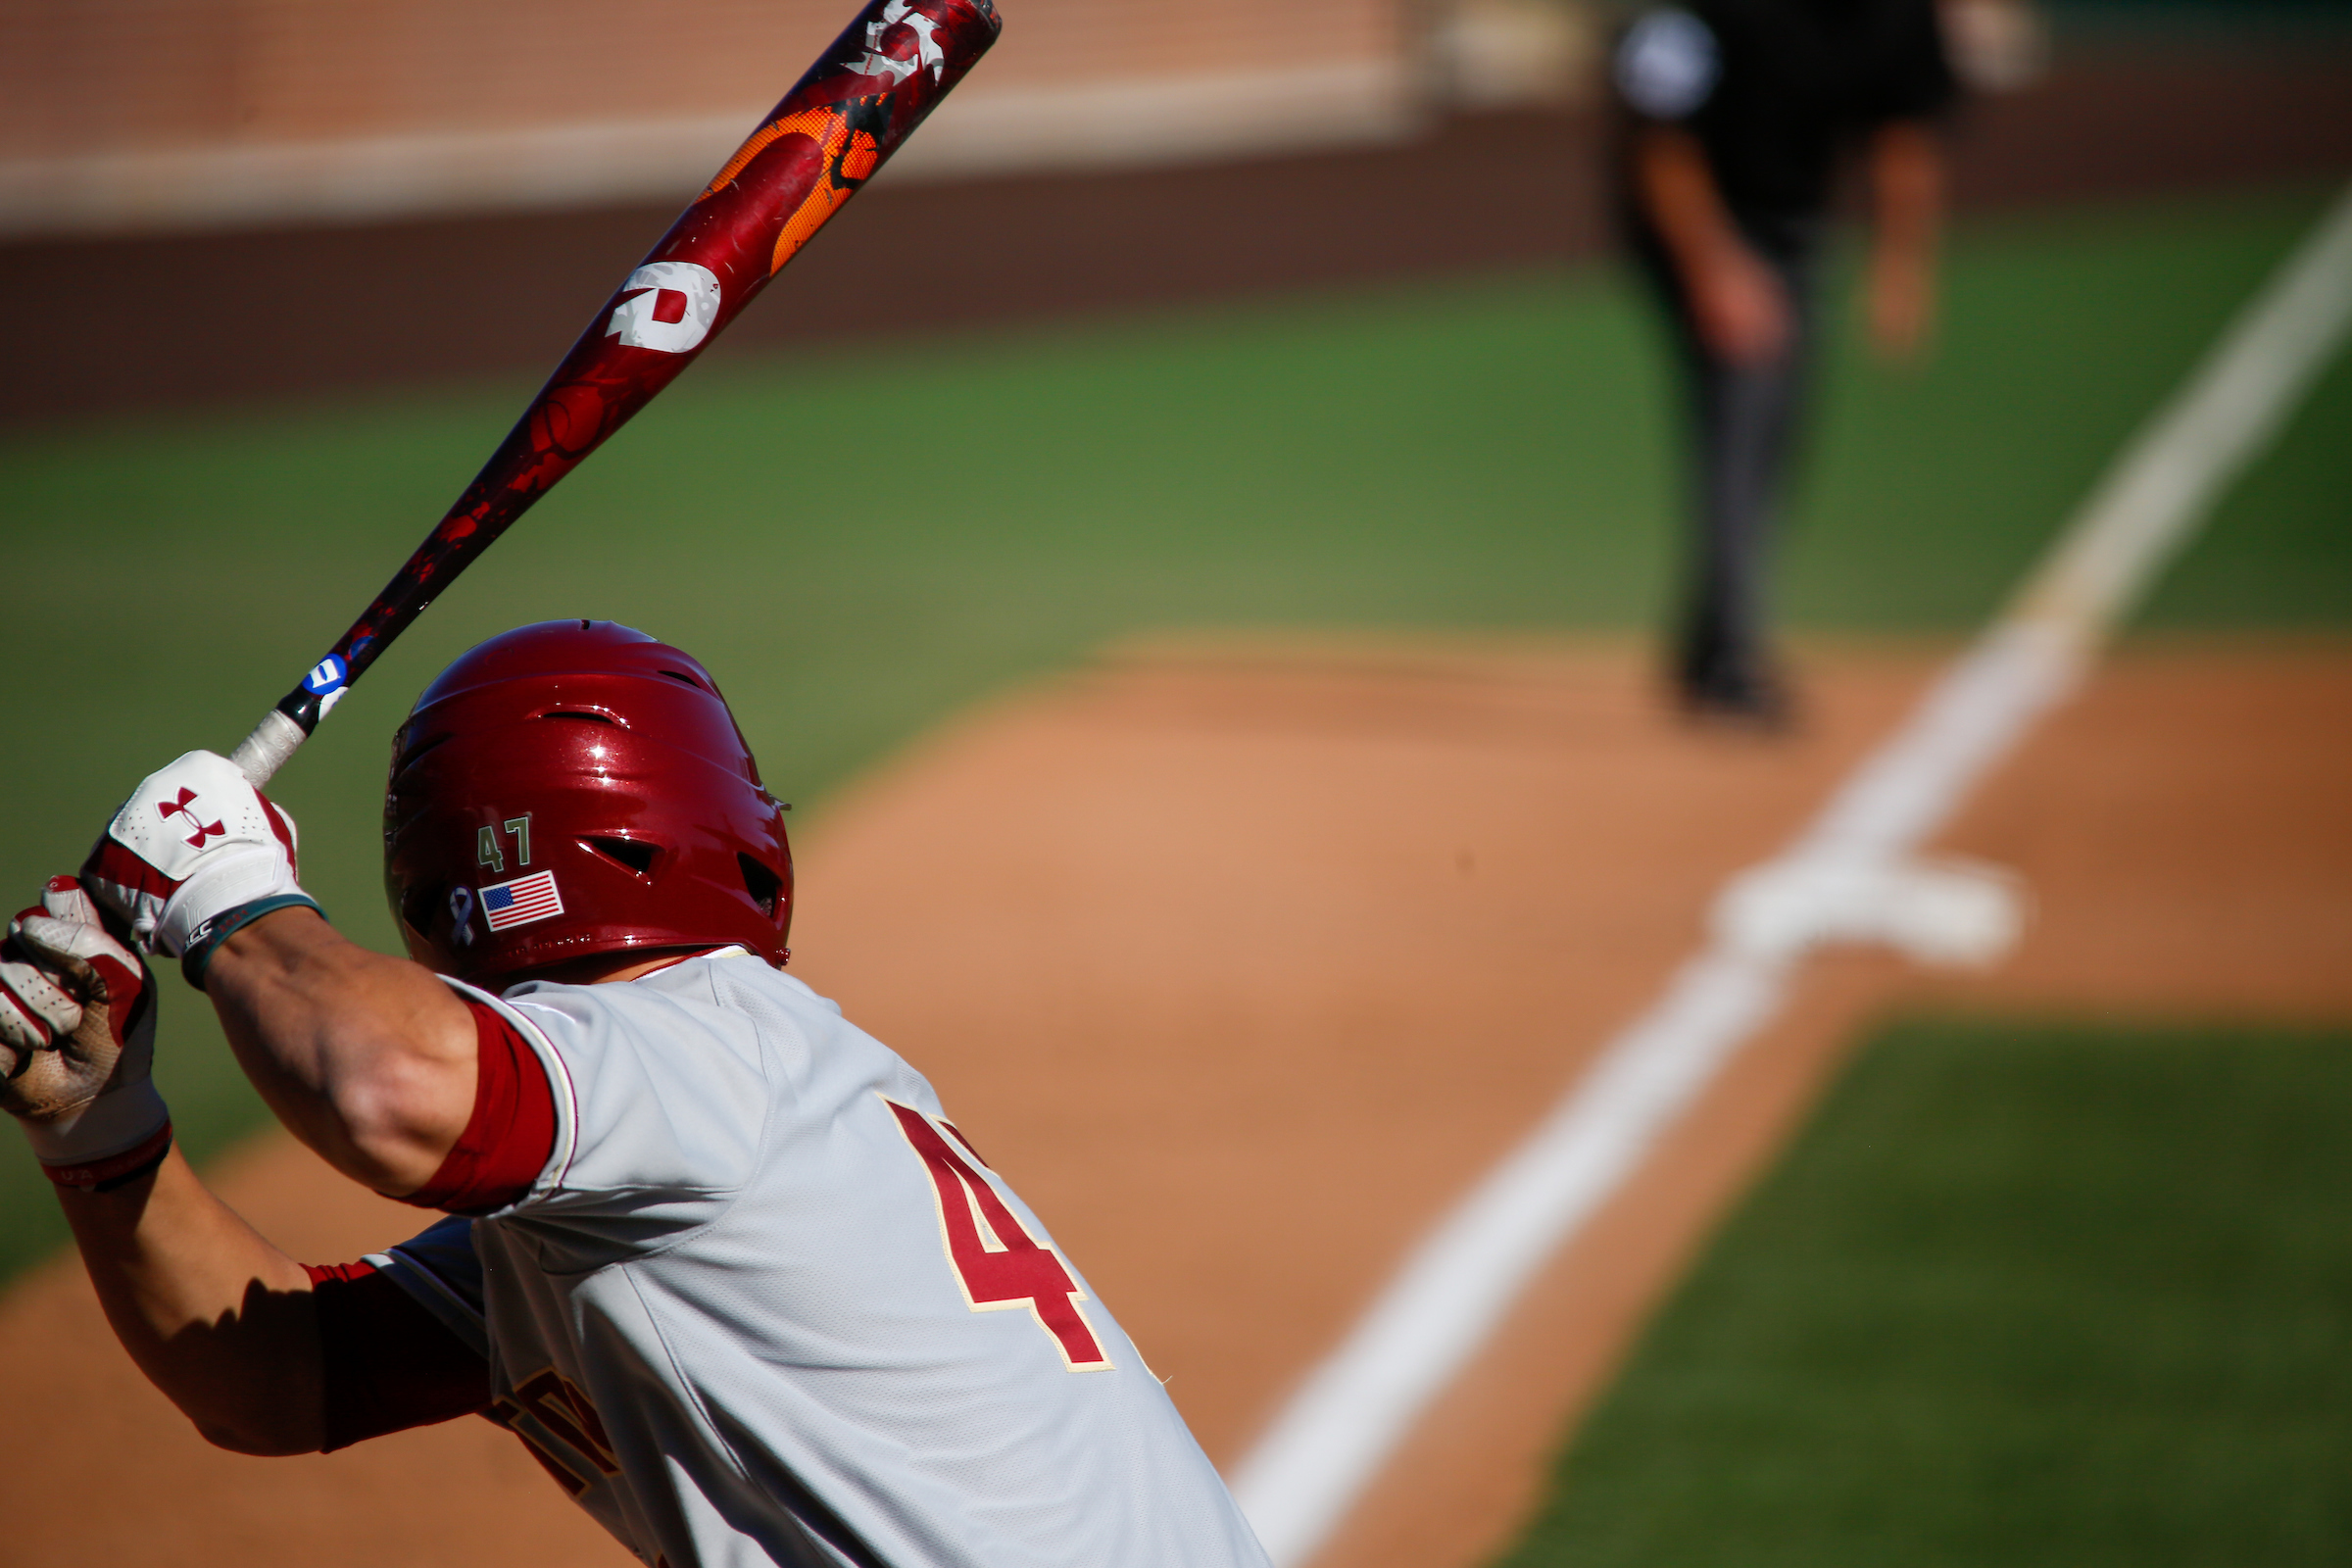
{"points": [[812, 153]]}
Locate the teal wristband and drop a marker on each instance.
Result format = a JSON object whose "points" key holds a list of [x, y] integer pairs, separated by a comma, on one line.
{"points": [[208, 936]]}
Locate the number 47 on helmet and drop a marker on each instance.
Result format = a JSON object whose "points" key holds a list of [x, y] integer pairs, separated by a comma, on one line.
{"points": [[578, 788]]}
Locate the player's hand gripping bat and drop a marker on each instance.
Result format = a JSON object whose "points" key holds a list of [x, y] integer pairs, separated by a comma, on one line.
{"points": [[861, 99]]}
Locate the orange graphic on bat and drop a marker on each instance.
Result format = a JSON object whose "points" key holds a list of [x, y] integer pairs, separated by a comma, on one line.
{"points": [[849, 157]]}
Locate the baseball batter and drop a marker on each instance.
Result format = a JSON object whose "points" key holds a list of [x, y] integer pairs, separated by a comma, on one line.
{"points": [[715, 1256]]}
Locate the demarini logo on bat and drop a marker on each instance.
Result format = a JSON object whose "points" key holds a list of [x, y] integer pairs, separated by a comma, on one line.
{"points": [[667, 306], [928, 53]]}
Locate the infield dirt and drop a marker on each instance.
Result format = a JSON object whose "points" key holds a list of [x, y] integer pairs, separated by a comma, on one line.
{"points": [[1243, 959]]}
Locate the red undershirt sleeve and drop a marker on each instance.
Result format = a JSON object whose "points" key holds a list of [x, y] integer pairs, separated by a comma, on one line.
{"points": [[511, 1133], [388, 1363]]}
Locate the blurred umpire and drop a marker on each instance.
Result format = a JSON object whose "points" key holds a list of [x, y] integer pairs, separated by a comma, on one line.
{"points": [[1736, 116]]}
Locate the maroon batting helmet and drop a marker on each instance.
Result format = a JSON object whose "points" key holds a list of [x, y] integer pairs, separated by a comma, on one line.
{"points": [[577, 787]]}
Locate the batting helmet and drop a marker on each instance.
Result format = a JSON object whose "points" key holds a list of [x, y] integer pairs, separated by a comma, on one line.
{"points": [[577, 787]]}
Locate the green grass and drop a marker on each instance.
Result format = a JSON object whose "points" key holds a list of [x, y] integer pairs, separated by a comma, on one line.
{"points": [[860, 541], [1927, 501], [2278, 548], [2017, 1296]]}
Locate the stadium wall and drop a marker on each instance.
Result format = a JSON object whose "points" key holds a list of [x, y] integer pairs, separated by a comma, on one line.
{"points": [[130, 115], [291, 306]]}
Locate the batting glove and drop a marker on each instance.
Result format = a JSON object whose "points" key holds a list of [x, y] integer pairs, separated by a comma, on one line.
{"points": [[77, 1040], [194, 853]]}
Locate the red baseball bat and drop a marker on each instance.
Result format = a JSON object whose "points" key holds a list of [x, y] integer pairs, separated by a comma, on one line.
{"points": [[861, 99]]}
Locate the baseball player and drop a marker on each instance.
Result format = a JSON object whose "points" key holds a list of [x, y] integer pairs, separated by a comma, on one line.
{"points": [[718, 1257]]}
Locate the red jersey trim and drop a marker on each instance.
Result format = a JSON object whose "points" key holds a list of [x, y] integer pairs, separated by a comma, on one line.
{"points": [[512, 1134]]}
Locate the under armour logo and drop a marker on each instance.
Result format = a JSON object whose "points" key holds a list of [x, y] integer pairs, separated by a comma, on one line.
{"points": [[179, 807]]}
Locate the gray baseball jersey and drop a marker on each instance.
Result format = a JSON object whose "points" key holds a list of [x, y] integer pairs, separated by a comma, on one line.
{"points": [[765, 1304]]}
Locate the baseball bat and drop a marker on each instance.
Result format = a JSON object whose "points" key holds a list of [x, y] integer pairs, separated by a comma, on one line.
{"points": [[813, 151]]}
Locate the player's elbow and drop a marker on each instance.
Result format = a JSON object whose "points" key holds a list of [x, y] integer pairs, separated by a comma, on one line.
{"points": [[399, 1092], [396, 1126], [267, 1414], [261, 1438]]}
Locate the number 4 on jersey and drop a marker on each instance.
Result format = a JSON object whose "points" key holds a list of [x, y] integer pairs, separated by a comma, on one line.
{"points": [[994, 1260]]}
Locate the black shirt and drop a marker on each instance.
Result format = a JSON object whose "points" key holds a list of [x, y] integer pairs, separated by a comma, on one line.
{"points": [[1775, 89]]}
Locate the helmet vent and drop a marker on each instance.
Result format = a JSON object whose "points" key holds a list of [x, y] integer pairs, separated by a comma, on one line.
{"points": [[588, 715], [685, 679], [634, 856], [417, 904], [762, 884]]}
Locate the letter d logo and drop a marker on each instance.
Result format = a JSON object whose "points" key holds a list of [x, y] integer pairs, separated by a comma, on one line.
{"points": [[667, 306]]}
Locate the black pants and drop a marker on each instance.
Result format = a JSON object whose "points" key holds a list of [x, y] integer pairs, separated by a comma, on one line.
{"points": [[1744, 420]]}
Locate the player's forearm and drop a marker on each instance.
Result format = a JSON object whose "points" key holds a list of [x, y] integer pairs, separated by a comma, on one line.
{"points": [[1677, 194], [1906, 180], [1907, 190], [219, 1319], [366, 1059], [1738, 305]]}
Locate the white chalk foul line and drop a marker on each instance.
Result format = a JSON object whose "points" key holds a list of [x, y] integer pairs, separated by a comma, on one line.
{"points": [[1326, 1445]]}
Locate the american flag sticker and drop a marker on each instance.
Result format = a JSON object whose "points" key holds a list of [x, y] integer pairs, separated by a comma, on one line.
{"points": [[522, 900]]}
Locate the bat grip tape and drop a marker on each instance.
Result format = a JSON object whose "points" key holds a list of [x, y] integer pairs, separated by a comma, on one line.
{"points": [[263, 752]]}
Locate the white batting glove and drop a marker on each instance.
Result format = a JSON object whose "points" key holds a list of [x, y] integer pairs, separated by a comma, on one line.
{"points": [[194, 853], [77, 1040]]}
